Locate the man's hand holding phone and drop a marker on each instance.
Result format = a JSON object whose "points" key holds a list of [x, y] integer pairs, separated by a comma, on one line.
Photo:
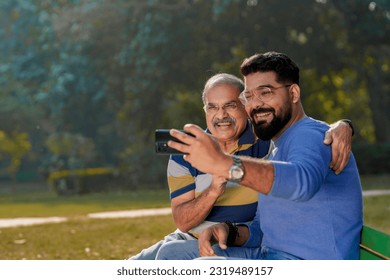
{"points": [[161, 143]]}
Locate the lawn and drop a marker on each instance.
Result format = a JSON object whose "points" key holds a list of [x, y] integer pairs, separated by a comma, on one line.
{"points": [[39, 203], [83, 238]]}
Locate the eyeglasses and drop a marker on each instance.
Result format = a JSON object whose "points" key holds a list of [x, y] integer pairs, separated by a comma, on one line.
{"points": [[228, 107], [261, 93]]}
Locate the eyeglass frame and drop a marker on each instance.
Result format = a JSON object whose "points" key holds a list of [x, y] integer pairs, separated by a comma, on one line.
{"points": [[260, 97], [224, 107]]}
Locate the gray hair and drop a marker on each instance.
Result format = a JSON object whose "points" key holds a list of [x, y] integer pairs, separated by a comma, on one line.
{"points": [[222, 79]]}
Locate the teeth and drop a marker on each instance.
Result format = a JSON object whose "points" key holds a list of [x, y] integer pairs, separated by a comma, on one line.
{"points": [[262, 114], [224, 124]]}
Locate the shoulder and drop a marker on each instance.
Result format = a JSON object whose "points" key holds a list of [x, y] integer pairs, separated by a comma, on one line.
{"points": [[305, 135], [308, 127], [177, 162], [312, 124]]}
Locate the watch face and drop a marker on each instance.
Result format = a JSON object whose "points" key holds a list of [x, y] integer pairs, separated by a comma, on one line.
{"points": [[237, 173]]}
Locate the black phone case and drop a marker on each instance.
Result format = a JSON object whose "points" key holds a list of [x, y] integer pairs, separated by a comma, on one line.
{"points": [[162, 138]]}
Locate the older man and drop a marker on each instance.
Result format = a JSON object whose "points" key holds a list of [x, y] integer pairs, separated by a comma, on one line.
{"points": [[305, 210], [200, 200]]}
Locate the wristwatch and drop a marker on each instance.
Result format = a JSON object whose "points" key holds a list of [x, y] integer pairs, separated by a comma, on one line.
{"points": [[236, 171]]}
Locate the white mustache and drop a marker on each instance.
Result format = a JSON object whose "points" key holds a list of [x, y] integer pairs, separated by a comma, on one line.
{"points": [[224, 120]]}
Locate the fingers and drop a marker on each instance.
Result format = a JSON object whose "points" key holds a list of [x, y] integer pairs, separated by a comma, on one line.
{"points": [[336, 164], [181, 136], [340, 137], [222, 242], [218, 185], [194, 129], [206, 251], [217, 233], [343, 160], [186, 139], [336, 156], [328, 138], [204, 243], [218, 180], [185, 149]]}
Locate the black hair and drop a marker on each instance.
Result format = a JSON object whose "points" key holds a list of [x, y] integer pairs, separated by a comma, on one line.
{"points": [[287, 71]]}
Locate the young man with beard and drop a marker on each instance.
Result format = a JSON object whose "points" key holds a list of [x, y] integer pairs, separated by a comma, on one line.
{"points": [[305, 210], [199, 200]]}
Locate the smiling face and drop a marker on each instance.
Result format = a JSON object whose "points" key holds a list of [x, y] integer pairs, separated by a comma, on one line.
{"points": [[227, 118], [269, 119]]}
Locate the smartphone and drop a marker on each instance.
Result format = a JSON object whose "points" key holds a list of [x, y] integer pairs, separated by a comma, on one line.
{"points": [[162, 138]]}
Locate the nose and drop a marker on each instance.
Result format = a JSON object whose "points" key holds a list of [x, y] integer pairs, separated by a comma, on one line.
{"points": [[255, 103], [221, 113]]}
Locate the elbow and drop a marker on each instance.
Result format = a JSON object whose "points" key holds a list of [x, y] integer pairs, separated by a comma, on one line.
{"points": [[183, 228], [305, 191], [181, 225], [304, 196], [308, 183], [302, 190]]}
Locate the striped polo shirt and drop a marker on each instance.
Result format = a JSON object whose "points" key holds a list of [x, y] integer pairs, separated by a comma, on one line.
{"points": [[237, 204]]}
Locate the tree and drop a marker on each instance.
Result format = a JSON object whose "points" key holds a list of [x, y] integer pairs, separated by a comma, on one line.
{"points": [[12, 150], [368, 32], [111, 72]]}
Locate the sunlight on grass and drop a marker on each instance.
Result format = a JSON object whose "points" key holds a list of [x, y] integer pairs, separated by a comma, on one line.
{"points": [[41, 204], [84, 239], [377, 212], [47, 203]]}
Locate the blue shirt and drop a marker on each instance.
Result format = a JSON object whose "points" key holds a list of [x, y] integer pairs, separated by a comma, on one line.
{"points": [[310, 212]]}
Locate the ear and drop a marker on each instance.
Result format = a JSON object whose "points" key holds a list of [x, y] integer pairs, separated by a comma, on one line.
{"points": [[295, 92]]}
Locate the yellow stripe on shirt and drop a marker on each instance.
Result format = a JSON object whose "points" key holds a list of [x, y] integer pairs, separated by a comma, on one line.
{"points": [[234, 196]]}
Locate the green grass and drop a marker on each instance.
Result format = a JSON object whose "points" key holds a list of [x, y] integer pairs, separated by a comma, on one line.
{"points": [[83, 238], [47, 203], [377, 208], [377, 212]]}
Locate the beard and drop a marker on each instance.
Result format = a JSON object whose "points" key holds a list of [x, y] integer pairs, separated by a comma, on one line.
{"points": [[266, 131]]}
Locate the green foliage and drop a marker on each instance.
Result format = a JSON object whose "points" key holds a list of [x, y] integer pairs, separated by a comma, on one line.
{"points": [[340, 95], [368, 19], [367, 25], [75, 150], [113, 72], [372, 158], [13, 148], [187, 105]]}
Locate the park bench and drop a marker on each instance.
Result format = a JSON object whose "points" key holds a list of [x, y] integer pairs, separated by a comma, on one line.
{"points": [[374, 245]]}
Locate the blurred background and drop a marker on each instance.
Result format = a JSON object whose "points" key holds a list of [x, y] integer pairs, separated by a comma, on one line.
{"points": [[84, 84]]}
